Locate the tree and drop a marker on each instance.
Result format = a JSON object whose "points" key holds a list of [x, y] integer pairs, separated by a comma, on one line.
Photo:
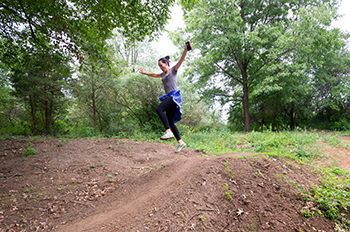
{"points": [[111, 96], [244, 43], [10, 108], [93, 90], [331, 92], [39, 83]]}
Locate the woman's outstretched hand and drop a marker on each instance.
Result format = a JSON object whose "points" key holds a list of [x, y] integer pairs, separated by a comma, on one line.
{"points": [[156, 75], [186, 47], [142, 71]]}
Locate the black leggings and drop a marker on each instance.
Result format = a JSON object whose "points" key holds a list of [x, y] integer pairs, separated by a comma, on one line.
{"points": [[169, 106]]}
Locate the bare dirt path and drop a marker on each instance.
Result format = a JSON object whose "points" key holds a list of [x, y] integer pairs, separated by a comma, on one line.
{"points": [[125, 185], [141, 197], [338, 156]]}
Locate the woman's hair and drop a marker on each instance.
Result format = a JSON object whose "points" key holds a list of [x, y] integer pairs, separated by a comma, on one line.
{"points": [[165, 60]]}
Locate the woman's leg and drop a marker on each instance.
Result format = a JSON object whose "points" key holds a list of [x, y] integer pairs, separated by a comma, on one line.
{"points": [[169, 106], [170, 113], [164, 106]]}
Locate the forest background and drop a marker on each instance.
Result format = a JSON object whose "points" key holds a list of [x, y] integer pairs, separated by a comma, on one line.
{"points": [[71, 68]]}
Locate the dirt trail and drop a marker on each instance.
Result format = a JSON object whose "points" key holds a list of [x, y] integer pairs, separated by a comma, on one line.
{"points": [[124, 185], [141, 196], [146, 192]]}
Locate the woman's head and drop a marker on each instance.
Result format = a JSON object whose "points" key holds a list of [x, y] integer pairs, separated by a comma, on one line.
{"points": [[164, 63]]}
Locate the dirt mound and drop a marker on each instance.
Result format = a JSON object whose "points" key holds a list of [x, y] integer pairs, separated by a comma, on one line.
{"points": [[124, 185]]}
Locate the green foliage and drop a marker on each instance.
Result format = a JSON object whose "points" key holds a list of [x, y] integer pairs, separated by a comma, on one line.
{"points": [[11, 109], [332, 140], [214, 141], [29, 150], [85, 132], [332, 195], [68, 27], [261, 50], [34, 89], [194, 110], [331, 96], [306, 213], [144, 95], [297, 145], [93, 93]]}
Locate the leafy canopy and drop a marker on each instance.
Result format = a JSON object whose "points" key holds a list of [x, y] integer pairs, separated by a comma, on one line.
{"points": [[69, 26]]}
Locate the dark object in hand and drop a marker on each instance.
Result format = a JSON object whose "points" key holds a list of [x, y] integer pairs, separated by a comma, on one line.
{"points": [[189, 47]]}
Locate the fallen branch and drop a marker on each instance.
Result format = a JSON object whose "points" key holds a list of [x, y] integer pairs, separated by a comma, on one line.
{"points": [[11, 175], [206, 209], [90, 147], [141, 168], [9, 148], [39, 173]]}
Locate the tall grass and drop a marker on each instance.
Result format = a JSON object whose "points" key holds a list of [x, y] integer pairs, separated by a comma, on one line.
{"points": [[300, 145]]}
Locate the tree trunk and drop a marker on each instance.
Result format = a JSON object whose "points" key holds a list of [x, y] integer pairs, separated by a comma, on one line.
{"points": [[32, 114], [246, 101], [291, 118], [94, 109], [48, 116]]}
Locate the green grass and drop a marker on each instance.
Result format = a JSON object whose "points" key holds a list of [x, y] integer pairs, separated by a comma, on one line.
{"points": [[299, 145]]}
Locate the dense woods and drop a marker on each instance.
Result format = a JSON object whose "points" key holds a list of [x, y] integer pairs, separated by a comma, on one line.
{"points": [[71, 67]]}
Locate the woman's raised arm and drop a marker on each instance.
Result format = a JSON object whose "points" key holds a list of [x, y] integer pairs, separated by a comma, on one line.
{"points": [[177, 66]]}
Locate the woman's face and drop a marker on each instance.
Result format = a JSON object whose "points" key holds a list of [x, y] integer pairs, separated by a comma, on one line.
{"points": [[163, 66]]}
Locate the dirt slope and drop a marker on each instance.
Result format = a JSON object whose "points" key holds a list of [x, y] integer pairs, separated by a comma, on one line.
{"points": [[124, 185]]}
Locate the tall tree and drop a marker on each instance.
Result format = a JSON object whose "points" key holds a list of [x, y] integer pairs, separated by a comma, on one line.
{"points": [[9, 107], [91, 90], [39, 83], [330, 92], [243, 43]]}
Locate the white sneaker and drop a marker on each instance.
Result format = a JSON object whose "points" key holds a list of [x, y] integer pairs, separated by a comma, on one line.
{"points": [[167, 135], [180, 146]]}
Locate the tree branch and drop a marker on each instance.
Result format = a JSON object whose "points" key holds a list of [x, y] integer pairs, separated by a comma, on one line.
{"points": [[222, 69], [30, 23], [273, 59]]}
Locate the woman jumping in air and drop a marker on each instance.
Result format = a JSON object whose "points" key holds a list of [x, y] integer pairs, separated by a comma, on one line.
{"points": [[170, 102]]}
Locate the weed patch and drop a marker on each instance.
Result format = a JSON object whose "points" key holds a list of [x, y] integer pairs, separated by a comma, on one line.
{"points": [[332, 196], [29, 150]]}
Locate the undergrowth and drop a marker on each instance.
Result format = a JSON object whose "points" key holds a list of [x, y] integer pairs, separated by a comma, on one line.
{"points": [[331, 196]]}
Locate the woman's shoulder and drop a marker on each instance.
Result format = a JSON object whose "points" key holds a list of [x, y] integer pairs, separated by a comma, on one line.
{"points": [[173, 70]]}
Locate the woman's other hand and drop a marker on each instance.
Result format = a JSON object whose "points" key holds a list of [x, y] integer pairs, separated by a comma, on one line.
{"points": [[142, 71]]}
